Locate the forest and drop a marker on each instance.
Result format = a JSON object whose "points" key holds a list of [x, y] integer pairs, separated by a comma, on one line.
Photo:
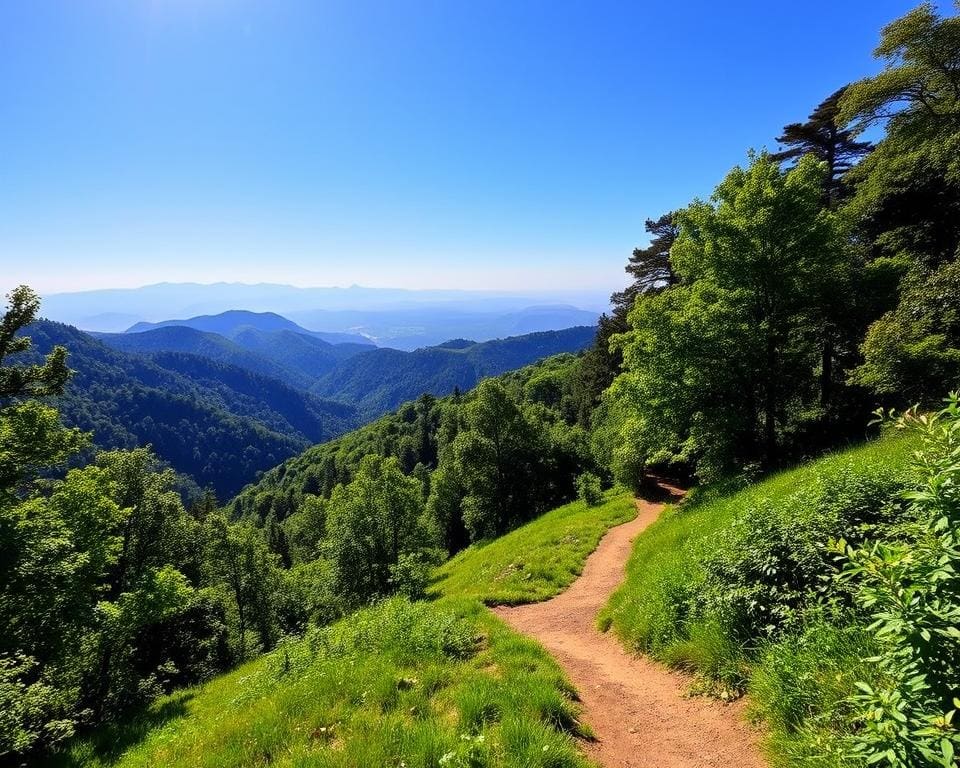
{"points": [[784, 346]]}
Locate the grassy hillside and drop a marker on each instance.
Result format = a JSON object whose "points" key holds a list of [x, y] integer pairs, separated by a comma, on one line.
{"points": [[734, 586], [411, 684], [401, 683], [537, 560]]}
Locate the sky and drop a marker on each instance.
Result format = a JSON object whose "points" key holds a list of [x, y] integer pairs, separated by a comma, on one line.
{"points": [[404, 143]]}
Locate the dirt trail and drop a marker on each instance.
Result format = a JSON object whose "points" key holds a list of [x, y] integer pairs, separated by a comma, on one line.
{"points": [[637, 709]]}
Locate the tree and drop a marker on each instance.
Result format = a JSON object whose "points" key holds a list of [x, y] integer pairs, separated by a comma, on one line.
{"points": [[921, 76], [907, 199], [827, 139], [720, 365], [824, 137], [30, 381], [371, 523], [238, 557], [650, 267], [912, 354], [96, 608], [907, 204], [499, 457]]}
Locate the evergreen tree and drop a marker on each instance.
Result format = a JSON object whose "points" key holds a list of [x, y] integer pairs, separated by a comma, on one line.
{"points": [[826, 138]]}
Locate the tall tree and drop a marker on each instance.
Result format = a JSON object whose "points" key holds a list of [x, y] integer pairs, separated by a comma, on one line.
{"points": [[720, 365], [908, 191], [827, 139], [652, 272], [371, 523], [498, 454], [650, 267], [907, 204]]}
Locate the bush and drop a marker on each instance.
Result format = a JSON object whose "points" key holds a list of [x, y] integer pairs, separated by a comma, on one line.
{"points": [[588, 489], [912, 591], [718, 578]]}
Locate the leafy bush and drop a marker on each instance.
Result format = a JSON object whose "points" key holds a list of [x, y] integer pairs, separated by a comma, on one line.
{"points": [[911, 589], [588, 489], [748, 565]]}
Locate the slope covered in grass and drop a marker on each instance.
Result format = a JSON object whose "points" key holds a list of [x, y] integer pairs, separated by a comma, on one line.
{"points": [[414, 684], [537, 560], [736, 587], [401, 683]]}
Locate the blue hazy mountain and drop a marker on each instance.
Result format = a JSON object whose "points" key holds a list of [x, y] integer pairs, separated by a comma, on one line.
{"points": [[403, 319], [237, 321]]}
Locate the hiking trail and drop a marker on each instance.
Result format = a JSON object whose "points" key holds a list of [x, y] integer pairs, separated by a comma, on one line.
{"points": [[639, 711]]}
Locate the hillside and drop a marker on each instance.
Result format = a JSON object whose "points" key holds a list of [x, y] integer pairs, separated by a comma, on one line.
{"points": [[418, 432], [480, 693], [380, 380], [739, 587], [217, 423], [236, 321], [178, 338]]}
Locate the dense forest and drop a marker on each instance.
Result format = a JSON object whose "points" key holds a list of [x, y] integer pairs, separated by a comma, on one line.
{"points": [[763, 326], [221, 410]]}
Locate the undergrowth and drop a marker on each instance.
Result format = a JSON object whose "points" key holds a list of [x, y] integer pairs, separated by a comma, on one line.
{"points": [[738, 588]]}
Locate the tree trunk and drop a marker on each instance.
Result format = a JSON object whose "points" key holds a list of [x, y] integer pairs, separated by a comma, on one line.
{"points": [[770, 408], [826, 370]]}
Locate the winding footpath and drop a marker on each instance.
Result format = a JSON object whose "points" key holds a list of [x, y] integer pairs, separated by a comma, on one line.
{"points": [[638, 710]]}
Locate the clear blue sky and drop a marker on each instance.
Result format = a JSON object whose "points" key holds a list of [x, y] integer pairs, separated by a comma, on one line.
{"points": [[443, 143]]}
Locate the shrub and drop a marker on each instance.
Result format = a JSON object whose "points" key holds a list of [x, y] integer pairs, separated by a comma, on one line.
{"points": [[912, 591], [588, 489]]}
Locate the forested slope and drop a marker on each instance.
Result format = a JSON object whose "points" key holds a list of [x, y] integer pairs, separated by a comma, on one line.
{"points": [[216, 423]]}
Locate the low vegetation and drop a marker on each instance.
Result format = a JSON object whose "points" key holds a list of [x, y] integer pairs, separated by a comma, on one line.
{"points": [[762, 327], [411, 684], [843, 646], [538, 560]]}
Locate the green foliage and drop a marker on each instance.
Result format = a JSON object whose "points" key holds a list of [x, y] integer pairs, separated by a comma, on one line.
{"points": [[220, 424], [720, 368], [19, 381], [375, 524], [911, 590], [589, 490], [825, 137], [913, 352], [498, 456], [749, 564], [381, 380], [397, 684], [537, 560]]}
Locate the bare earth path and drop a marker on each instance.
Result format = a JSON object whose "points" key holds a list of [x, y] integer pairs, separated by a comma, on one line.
{"points": [[637, 709]]}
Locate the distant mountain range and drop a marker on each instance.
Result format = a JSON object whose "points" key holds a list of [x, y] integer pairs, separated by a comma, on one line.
{"points": [[402, 319], [236, 322], [222, 406]]}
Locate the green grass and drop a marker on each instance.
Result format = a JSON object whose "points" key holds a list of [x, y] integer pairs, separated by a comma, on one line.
{"points": [[398, 684], [538, 560], [442, 684], [706, 592], [651, 611]]}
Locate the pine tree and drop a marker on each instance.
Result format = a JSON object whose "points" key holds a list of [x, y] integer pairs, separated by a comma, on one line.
{"points": [[825, 137]]}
